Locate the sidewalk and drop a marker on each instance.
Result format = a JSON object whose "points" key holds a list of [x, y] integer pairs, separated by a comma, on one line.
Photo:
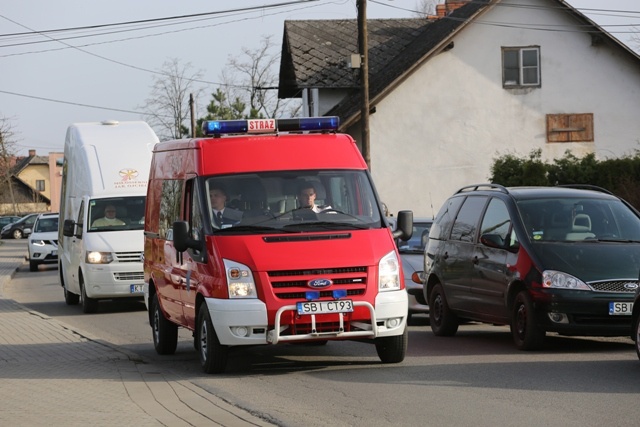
{"points": [[51, 375]]}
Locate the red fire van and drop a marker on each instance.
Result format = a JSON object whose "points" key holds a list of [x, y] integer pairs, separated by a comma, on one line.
{"points": [[266, 232]]}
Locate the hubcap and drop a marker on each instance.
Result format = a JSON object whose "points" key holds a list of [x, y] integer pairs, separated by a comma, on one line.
{"points": [[521, 320], [203, 340]]}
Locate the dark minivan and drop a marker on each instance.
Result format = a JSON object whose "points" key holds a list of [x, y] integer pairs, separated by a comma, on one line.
{"points": [[539, 259]]}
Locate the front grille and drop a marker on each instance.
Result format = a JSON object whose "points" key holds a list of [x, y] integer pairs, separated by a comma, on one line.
{"points": [[292, 284], [615, 286], [129, 256], [129, 275]]}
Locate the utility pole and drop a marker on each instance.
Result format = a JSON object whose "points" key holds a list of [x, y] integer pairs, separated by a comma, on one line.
{"points": [[192, 112], [363, 49]]}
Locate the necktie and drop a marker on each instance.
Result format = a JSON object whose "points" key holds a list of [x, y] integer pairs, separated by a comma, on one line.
{"points": [[219, 218]]}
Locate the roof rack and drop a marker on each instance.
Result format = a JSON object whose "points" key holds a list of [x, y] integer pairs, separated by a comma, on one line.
{"points": [[486, 186], [586, 187]]}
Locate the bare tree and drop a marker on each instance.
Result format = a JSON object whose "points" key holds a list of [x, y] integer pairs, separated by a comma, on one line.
{"points": [[167, 107], [426, 8], [7, 153], [252, 79]]}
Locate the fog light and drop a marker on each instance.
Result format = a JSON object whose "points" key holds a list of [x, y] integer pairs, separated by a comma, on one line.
{"points": [[240, 331], [558, 318], [393, 323]]}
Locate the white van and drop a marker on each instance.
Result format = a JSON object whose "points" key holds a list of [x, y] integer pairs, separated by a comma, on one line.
{"points": [[104, 186]]}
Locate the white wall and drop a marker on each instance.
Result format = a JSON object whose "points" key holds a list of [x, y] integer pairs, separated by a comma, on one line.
{"points": [[443, 127]]}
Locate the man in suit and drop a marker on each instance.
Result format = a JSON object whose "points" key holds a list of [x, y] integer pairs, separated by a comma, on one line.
{"points": [[223, 217]]}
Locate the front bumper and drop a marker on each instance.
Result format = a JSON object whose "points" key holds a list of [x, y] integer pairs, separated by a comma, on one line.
{"points": [[581, 312]]}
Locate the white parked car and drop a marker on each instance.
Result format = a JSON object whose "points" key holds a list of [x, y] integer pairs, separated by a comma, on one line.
{"points": [[43, 241]]}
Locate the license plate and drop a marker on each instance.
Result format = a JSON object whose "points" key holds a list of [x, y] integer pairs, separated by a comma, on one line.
{"points": [[620, 308], [325, 307], [137, 289], [54, 253]]}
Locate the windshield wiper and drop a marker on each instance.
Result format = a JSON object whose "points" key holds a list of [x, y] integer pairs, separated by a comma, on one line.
{"points": [[327, 225]]}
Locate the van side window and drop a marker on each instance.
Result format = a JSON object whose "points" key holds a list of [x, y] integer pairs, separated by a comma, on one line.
{"points": [[466, 223], [195, 217], [80, 220], [496, 221], [169, 206]]}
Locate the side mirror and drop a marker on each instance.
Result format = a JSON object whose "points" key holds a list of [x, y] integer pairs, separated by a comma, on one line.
{"points": [[26, 231], [67, 227], [404, 225], [181, 239]]}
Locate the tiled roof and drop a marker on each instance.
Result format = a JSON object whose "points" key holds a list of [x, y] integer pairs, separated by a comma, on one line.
{"points": [[315, 52]]}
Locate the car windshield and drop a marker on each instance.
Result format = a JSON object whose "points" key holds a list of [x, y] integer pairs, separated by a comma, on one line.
{"points": [[46, 225], [418, 240], [292, 201], [116, 213], [579, 219]]}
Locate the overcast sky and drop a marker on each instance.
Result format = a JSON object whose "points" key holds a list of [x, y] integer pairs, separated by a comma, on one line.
{"points": [[106, 73]]}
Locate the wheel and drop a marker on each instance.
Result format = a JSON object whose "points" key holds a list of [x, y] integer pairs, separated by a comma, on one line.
{"points": [[637, 335], [165, 332], [17, 234], [33, 265], [89, 305], [392, 349], [527, 334], [443, 322], [213, 355], [70, 298]]}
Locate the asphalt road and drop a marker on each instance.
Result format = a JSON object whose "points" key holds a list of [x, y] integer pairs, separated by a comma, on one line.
{"points": [[476, 378]]}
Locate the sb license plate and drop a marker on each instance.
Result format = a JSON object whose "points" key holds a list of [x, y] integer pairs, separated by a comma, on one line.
{"points": [[54, 253], [620, 308], [325, 307], [137, 289]]}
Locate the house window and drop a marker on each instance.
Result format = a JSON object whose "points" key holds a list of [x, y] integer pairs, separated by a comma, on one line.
{"points": [[520, 67], [570, 127], [40, 184]]}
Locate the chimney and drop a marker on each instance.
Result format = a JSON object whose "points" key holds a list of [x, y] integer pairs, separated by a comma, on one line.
{"points": [[32, 153], [449, 6]]}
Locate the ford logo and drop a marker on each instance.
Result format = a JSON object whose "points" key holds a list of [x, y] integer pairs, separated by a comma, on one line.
{"points": [[631, 285], [319, 283]]}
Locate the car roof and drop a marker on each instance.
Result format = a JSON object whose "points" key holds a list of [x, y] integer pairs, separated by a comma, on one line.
{"points": [[533, 192]]}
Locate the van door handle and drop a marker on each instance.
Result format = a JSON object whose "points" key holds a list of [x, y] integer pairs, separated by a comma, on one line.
{"points": [[445, 255]]}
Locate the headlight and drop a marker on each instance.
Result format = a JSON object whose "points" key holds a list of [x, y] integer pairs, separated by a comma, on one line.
{"points": [[98, 257], [5, 228], [560, 280], [389, 273], [37, 242], [240, 280]]}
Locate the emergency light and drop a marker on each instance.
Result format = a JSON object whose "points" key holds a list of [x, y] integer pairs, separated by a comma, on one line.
{"points": [[305, 124]]}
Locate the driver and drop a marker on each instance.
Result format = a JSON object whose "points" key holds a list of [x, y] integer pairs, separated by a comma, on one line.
{"points": [[307, 198]]}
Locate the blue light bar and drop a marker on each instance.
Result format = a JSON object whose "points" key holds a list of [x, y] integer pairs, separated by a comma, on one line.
{"points": [[306, 124], [218, 127]]}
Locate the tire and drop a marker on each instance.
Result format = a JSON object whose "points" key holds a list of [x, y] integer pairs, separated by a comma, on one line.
{"points": [[213, 355], [443, 322], [637, 334], [17, 234], [89, 305], [165, 332], [33, 266], [392, 349], [527, 334], [70, 298]]}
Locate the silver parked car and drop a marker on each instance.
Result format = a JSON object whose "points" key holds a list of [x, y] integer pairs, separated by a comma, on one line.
{"points": [[412, 255]]}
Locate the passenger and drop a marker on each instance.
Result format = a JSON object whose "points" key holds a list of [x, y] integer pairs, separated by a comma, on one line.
{"points": [[307, 198], [223, 216], [109, 218]]}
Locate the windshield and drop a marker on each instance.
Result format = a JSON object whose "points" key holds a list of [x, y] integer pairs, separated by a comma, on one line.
{"points": [[46, 225], [418, 240], [292, 201], [577, 219], [116, 213]]}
